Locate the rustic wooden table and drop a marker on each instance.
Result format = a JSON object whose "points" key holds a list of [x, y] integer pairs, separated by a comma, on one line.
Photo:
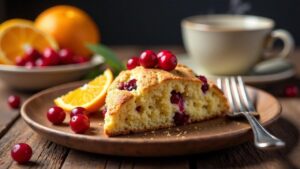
{"points": [[50, 155]]}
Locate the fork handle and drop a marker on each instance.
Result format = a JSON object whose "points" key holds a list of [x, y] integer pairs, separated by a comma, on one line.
{"points": [[262, 138]]}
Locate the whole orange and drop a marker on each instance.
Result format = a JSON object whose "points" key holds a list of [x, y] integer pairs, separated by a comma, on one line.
{"points": [[70, 26]]}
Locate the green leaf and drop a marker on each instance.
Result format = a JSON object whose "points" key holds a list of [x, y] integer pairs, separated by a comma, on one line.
{"points": [[110, 58]]}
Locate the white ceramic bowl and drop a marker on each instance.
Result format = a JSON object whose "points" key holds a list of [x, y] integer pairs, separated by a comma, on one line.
{"points": [[41, 78]]}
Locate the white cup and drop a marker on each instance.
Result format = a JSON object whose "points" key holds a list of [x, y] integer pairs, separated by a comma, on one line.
{"points": [[231, 44]]}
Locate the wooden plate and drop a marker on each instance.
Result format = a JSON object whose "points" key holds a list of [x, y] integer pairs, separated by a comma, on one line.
{"points": [[194, 138]]}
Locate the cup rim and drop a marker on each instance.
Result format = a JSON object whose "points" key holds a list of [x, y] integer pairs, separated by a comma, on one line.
{"points": [[189, 23]]}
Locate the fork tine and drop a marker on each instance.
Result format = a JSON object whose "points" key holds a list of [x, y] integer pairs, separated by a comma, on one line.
{"points": [[245, 95], [236, 94], [229, 95]]}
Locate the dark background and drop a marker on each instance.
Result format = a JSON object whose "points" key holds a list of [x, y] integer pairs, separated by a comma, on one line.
{"points": [[157, 22]]}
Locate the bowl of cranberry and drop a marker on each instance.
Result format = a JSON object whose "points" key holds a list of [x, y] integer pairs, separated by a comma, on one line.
{"points": [[37, 71]]}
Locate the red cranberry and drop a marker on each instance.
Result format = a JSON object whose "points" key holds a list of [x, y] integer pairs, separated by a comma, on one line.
{"points": [[138, 108], [78, 110], [80, 123], [80, 59], [180, 118], [167, 62], [163, 52], [104, 111], [204, 87], [14, 101], [32, 54], [66, 56], [133, 62], [41, 63], [30, 64], [56, 115], [291, 91], [176, 98], [202, 78], [130, 85], [21, 153], [51, 57], [20, 61], [148, 59]]}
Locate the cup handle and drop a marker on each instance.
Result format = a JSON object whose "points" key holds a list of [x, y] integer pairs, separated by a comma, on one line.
{"points": [[287, 39]]}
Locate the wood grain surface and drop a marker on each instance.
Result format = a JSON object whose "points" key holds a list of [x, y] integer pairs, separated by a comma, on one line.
{"points": [[50, 155]]}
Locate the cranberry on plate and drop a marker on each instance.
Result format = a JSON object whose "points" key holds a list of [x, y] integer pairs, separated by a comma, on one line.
{"points": [[80, 123], [14, 101], [78, 110], [21, 153], [56, 115]]}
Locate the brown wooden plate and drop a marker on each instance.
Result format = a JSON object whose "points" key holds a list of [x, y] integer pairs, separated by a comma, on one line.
{"points": [[193, 138]]}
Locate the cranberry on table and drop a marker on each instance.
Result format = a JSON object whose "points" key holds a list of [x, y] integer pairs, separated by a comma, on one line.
{"points": [[32, 54], [51, 57], [21, 153], [14, 101], [133, 62], [78, 110], [65, 56], [167, 61], [56, 115], [80, 123], [291, 91], [148, 59], [163, 52]]}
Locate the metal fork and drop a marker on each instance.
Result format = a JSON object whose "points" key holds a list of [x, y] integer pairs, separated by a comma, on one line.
{"points": [[238, 98]]}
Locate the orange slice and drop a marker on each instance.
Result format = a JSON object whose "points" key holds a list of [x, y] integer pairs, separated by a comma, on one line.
{"points": [[17, 35], [90, 96]]}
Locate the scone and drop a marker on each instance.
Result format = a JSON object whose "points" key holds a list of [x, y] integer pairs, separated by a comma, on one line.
{"points": [[147, 99]]}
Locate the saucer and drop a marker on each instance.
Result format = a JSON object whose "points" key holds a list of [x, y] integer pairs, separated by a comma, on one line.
{"points": [[250, 78]]}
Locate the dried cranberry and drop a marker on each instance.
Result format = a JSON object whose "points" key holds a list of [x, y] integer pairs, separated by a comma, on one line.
{"points": [[202, 78], [204, 87], [176, 98], [130, 85], [181, 118], [138, 108]]}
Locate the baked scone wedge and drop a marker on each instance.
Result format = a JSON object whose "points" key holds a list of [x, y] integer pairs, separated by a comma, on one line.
{"points": [[147, 99]]}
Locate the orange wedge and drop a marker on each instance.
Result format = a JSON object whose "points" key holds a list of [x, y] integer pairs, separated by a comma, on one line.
{"points": [[17, 35], [90, 96]]}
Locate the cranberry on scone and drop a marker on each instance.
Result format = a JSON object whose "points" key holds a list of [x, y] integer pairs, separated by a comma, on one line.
{"points": [[167, 61], [148, 59], [133, 62]]}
